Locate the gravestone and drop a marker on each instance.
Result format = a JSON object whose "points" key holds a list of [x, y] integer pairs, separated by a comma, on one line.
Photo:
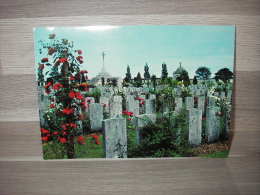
{"points": [[194, 126], [133, 106], [212, 124], [178, 104], [229, 95], [115, 109], [117, 99], [152, 96], [227, 117], [79, 127], [143, 97], [43, 103], [105, 100], [141, 121], [211, 102], [200, 103], [150, 106], [222, 94], [115, 138], [90, 100], [130, 98], [95, 117], [189, 101]]}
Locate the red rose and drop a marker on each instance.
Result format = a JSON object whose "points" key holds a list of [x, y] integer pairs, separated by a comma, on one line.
{"points": [[51, 105], [78, 96], [45, 131], [55, 133], [62, 60], [71, 94], [63, 140], [80, 138], [44, 60], [64, 127], [67, 111], [97, 142], [129, 119], [52, 99], [41, 66], [73, 125], [71, 78], [95, 137], [79, 52], [48, 91], [45, 139]]}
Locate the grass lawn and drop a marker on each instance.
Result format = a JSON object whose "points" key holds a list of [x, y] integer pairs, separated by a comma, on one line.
{"points": [[219, 154], [55, 150]]}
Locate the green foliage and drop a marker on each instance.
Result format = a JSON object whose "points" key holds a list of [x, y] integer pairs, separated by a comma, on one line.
{"points": [[114, 82], [164, 99], [128, 76], [146, 72], [138, 81], [224, 74], [195, 80], [94, 93], [184, 76], [165, 138], [203, 73]]}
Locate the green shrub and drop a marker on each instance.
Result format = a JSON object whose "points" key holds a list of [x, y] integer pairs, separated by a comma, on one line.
{"points": [[165, 138]]}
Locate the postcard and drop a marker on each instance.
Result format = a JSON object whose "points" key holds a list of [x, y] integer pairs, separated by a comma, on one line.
{"points": [[134, 91]]}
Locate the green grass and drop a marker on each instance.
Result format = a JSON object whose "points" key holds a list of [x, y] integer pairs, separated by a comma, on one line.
{"points": [[55, 150], [219, 154]]}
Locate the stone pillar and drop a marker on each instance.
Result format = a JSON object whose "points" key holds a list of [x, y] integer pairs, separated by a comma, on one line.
{"points": [[115, 138]]}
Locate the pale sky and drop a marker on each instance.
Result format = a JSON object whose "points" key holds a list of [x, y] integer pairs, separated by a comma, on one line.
{"points": [[193, 46]]}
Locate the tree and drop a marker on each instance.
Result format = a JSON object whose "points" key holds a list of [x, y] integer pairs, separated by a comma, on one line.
{"points": [[138, 80], [164, 71], [146, 72], [224, 73], [153, 79], [203, 73], [67, 104], [128, 76], [103, 81], [184, 76], [195, 80], [114, 82]]}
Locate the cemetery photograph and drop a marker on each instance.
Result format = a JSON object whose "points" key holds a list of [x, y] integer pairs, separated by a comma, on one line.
{"points": [[134, 91]]}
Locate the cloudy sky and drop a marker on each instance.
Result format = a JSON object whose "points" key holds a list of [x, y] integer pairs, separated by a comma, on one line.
{"points": [[193, 46]]}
